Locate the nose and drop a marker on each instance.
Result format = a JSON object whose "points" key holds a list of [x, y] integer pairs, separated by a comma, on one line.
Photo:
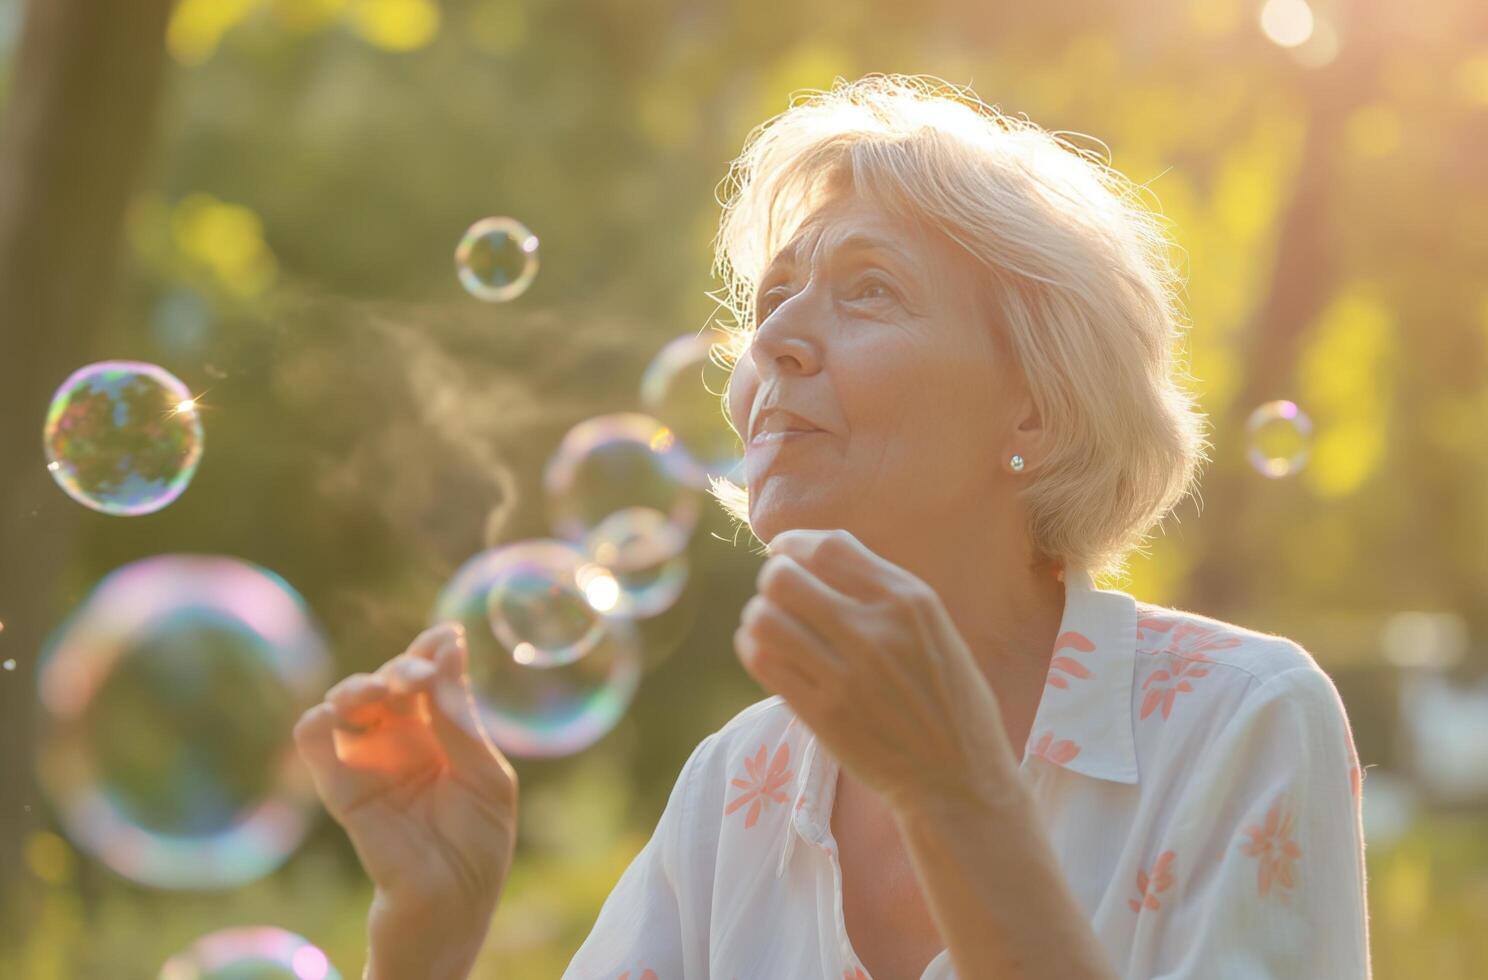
{"points": [[784, 343]]}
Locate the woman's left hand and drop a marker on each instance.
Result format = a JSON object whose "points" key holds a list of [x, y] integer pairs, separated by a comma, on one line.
{"points": [[867, 656]]}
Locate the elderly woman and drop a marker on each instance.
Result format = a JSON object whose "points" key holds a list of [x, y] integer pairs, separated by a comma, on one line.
{"points": [[955, 374]]}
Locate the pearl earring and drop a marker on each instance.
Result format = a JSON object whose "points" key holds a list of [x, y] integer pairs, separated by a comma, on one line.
{"points": [[1017, 463]]}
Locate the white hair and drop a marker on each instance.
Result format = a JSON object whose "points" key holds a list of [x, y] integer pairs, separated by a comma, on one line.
{"points": [[1078, 275]]}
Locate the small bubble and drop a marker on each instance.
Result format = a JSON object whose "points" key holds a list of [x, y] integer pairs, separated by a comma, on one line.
{"points": [[9, 664], [497, 259], [1278, 435]]}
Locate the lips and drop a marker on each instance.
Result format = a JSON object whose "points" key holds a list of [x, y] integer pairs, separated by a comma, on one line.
{"points": [[769, 438], [777, 422]]}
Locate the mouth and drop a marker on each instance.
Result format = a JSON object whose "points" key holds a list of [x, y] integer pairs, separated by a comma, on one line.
{"points": [[762, 439]]}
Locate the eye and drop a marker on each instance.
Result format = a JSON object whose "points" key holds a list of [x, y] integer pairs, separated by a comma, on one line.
{"points": [[769, 303], [872, 288]]}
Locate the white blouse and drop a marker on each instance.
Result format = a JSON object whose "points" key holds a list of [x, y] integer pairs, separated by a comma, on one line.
{"points": [[1198, 782]]}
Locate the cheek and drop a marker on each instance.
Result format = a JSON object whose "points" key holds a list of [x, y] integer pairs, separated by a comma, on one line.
{"points": [[742, 385]]}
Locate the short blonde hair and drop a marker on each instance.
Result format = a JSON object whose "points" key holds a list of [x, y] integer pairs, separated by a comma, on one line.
{"points": [[1079, 275]]}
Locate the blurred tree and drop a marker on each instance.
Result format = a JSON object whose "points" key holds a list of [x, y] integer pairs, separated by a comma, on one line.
{"points": [[1304, 276], [79, 120]]}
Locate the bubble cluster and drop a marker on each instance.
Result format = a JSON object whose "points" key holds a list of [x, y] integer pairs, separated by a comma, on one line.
{"points": [[646, 558], [497, 259], [529, 712], [168, 699], [250, 953], [1278, 436], [123, 437], [546, 602], [683, 389]]}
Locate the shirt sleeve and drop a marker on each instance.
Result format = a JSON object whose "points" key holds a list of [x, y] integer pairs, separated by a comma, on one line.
{"points": [[648, 928], [1261, 873]]}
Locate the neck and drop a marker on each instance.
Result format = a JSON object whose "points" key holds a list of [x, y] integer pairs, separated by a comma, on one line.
{"points": [[1006, 605]]}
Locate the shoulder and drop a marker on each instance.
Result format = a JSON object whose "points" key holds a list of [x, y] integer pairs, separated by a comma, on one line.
{"points": [[1249, 677], [1241, 653], [768, 724]]}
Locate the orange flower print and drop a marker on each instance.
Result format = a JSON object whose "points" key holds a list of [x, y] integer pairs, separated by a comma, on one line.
{"points": [[761, 785], [1163, 684], [1061, 751], [1148, 888], [645, 975], [1273, 845], [856, 973], [1071, 666], [1183, 638]]}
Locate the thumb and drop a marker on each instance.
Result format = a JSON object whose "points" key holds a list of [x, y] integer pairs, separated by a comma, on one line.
{"points": [[455, 719]]}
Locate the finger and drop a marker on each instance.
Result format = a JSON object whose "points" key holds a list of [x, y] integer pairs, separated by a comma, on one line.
{"points": [[427, 643], [775, 644], [455, 719], [424, 645], [313, 738], [353, 696], [840, 560], [799, 591], [776, 674], [778, 627], [406, 674]]}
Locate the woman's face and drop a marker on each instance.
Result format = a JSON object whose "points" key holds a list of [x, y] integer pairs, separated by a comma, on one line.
{"points": [[870, 336]]}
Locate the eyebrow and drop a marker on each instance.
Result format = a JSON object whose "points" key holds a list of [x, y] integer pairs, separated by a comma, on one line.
{"points": [[857, 242]]}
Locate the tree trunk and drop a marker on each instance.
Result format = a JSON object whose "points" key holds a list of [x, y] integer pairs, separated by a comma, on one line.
{"points": [[76, 131], [1305, 277]]}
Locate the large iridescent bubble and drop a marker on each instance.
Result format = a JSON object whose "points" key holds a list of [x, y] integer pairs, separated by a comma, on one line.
{"points": [[123, 437], [250, 953], [168, 700], [539, 712], [497, 259], [683, 387]]}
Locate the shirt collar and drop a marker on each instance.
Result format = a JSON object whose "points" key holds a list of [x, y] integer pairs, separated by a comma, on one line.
{"points": [[1084, 719]]}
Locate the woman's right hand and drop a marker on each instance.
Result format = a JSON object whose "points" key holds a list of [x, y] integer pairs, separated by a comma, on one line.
{"points": [[401, 761]]}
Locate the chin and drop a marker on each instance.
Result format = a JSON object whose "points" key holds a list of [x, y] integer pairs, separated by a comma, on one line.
{"points": [[768, 519]]}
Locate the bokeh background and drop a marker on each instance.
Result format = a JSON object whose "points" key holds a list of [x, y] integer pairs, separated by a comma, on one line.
{"points": [[263, 196]]}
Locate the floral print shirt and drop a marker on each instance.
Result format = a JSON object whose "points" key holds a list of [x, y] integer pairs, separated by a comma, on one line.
{"points": [[1198, 781]]}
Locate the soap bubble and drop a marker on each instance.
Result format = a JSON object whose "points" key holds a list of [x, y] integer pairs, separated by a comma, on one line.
{"points": [[1277, 437], [123, 437], [168, 701], [497, 259], [546, 602], [639, 547], [251, 953], [612, 463], [530, 712], [682, 387]]}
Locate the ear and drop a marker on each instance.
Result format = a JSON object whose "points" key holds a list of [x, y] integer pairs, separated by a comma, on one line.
{"points": [[1029, 438]]}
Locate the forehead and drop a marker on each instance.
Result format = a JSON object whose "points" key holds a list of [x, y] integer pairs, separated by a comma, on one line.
{"points": [[851, 222]]}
